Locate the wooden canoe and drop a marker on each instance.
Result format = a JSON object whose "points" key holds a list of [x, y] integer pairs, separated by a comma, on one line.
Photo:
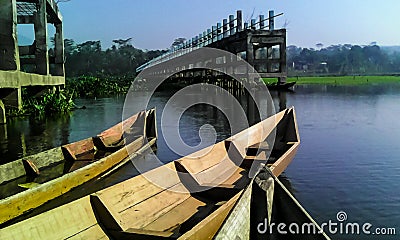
{"points": [[265, 204], [185, 199], [56, 171]]}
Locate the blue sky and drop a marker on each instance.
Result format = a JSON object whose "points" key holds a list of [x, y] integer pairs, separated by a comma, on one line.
{"points": [[154, 24]]}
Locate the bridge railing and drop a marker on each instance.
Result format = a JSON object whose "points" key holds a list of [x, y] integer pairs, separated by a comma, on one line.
{"points": [[227, 28]]}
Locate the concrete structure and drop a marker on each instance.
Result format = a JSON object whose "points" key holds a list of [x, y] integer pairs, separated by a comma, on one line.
{"points": [[257, 42], [27, 66]]}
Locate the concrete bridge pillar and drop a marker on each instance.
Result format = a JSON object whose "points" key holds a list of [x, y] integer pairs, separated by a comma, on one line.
{"points": [[59, 50], [12, 97], [2, 113], [9, 52], [41, 53]]}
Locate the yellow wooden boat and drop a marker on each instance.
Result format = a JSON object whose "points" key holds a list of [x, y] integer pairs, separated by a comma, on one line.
{"points": [[185, 199], [265, 205], [34, 180]]}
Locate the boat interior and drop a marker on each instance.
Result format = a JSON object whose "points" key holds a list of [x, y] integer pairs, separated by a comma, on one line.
{"points": [[175, 200], [30, 171]]}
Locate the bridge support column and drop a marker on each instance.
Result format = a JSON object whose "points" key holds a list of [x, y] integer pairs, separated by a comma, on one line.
{"points": [[2, 113], [59, 50], [41, 53], [9, 52], [12, 97]]}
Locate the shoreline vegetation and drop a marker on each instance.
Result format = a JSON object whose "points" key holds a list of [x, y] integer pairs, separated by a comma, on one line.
{"points": [[339, 80], [61, 102]]}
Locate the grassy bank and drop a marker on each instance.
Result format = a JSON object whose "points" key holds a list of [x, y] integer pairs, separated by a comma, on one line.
{"points": [[342, 80]]}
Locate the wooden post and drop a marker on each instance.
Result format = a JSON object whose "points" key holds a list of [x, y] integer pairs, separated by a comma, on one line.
{"points": [[9, 52], [59, 50], [225, 27], [239, 21], [262, 23], [41, 53], [231, 25], [219, 31], [271, 20], [246, 25]]}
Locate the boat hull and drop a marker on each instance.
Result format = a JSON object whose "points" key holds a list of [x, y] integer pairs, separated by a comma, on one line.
{"points": [[15, 205], [185, 199]]}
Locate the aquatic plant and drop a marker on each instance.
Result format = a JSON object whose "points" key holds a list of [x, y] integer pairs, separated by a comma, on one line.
{"points": [[98, 86]]}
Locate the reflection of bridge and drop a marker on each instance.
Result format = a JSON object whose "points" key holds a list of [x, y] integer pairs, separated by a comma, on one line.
{"points": [[29, 66], [256, 41]]}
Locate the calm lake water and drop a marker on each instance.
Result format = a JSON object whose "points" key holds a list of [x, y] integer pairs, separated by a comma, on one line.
{"points": [[349, 158]]}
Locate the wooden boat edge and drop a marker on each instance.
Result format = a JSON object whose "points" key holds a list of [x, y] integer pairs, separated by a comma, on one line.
{"points": [[13, 206]]}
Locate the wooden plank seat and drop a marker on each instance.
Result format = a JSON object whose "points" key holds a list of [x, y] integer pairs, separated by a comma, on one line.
{"points": [[147, 208], [126, 131], [257, 147], [109, 140]]}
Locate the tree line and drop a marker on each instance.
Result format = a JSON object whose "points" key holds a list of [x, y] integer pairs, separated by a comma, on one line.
{"points": [[342, 60], [122, 58]]}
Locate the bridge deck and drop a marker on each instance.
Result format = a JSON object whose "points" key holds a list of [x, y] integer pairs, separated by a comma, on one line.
{"points": [[259, 44]]}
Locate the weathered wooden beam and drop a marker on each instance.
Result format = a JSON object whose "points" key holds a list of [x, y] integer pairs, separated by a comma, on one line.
{"points": [[42, 56], [9, 52]]}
